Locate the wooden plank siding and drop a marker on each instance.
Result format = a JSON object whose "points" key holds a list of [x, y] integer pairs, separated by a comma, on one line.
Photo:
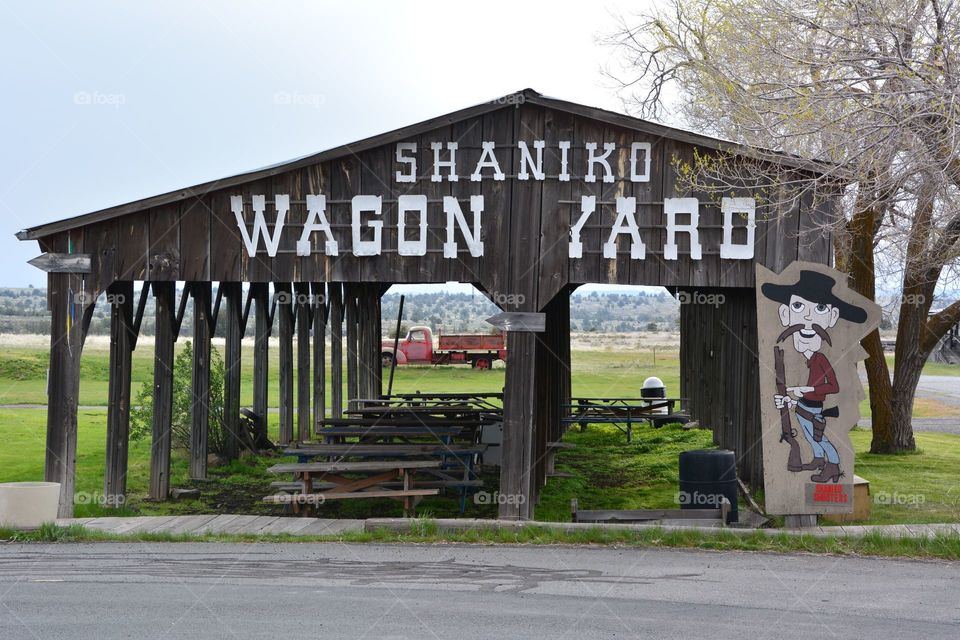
{"points": [[525, 222]]}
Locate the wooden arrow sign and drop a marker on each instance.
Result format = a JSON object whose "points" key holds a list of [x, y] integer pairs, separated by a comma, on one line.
{"points": [[62, 262], [520, 321]]}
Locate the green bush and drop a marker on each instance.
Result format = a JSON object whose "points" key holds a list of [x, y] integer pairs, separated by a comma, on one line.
{"points": [[141, 414]]}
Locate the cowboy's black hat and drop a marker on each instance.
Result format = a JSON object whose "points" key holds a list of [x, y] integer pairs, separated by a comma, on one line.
{"points": [[814, 287]]}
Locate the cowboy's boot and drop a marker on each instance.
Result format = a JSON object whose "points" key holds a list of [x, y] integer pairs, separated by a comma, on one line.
{"points": [[830, 473], [816, 463]]}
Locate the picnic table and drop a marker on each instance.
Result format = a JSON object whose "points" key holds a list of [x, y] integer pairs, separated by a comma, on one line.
{"points": [[374, 485], [623, 413], [455, 466]]}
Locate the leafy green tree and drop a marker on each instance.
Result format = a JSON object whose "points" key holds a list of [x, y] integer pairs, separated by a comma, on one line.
{"points": [[141, 414]]}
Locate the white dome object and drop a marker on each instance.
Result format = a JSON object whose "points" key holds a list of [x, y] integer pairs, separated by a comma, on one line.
{"points": [[653, 382]]}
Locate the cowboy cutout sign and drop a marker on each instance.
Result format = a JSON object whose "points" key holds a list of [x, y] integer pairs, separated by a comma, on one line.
{"points": [[809, 326]]}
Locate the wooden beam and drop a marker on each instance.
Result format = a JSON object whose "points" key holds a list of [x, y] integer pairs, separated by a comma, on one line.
{"points": [[200, 380], [335, 320], [118, 407], [261, 357], [284, 300], [63, 387], [518, 425], [319, 352], [138, 318], [303, 360], [232, 296], [350, 304], [181, 310], [164, 294]]}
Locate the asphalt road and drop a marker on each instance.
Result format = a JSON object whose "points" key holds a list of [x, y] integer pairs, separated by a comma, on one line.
{"points": [[193, 591]]}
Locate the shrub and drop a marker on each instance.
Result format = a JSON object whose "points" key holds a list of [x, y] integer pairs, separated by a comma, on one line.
{"points": [[141, 414]]}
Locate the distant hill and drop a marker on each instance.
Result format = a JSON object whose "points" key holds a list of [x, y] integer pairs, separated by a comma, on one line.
{"points": [[24, 310]]}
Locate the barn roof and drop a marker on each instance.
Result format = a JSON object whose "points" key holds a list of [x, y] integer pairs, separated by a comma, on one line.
{"points": [[525, 96]]}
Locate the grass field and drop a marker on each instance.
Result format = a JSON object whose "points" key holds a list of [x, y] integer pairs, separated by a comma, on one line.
{"points": [[606, 472]]}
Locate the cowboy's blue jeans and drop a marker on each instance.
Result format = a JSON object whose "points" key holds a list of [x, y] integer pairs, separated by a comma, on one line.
{"points": [[824, 448]]}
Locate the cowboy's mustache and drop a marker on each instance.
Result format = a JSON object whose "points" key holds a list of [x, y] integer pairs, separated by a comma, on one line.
{"points": [[792, 329]]}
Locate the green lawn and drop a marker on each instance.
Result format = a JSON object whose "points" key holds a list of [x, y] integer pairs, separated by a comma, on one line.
{"points": [[607, 473]]}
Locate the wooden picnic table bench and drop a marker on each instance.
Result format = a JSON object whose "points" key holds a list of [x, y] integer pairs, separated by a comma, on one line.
{"points": [[622, 412], [371, 486], [456, 462], [389, 431], [384, 450]]}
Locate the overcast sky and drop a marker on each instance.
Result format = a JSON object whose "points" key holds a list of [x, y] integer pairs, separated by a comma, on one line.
{"points": [[107, 102]]}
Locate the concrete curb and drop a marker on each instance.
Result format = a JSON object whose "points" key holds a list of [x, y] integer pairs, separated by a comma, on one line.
{"points": [[454, 525], [296, 526]]}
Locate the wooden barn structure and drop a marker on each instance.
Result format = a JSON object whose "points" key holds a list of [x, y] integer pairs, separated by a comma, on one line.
{"points": [[526, 197]]}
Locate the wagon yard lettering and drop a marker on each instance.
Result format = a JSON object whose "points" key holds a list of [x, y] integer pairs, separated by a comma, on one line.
{"points": [[463, 215]]}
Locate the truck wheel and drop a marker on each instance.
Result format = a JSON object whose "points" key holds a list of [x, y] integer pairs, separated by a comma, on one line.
{"points": [[386, 359], [481, 363]]}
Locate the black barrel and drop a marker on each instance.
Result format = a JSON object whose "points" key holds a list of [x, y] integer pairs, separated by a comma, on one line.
{"points": [[706, 475]]}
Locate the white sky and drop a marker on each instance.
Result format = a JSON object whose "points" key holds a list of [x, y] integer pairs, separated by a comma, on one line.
{"points": [[107, 102]]}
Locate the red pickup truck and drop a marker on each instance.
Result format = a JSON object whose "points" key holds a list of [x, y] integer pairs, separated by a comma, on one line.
{"points": [[478, 350]]}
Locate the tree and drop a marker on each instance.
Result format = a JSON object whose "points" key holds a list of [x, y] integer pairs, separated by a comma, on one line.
{"points": [[141, 413], [868, 88]]}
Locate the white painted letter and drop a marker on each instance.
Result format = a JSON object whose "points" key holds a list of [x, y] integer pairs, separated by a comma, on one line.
{"points": [[626, 223], [645, 176], [564, 146], [411, 247], [487, 159], [526, 159], [407, 160], [454, 214], [730, 206], [317, 221], [588, 204], [593, 159], [450, 164], [671, 207], [252, 239], [358, 205]]}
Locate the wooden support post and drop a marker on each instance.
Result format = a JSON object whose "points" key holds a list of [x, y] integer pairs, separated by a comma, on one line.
{"points": [[233, 300], [350, 302], [284, 295], [261, 358], [335, 292], [319, 352], [519, 404], [118, 408], [303, 361], [164, 294], [63, 386], [200, 380], [376, 347]]}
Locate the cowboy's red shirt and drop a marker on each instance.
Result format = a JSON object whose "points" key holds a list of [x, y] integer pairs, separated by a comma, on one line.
{"points": [[821, 378]]}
